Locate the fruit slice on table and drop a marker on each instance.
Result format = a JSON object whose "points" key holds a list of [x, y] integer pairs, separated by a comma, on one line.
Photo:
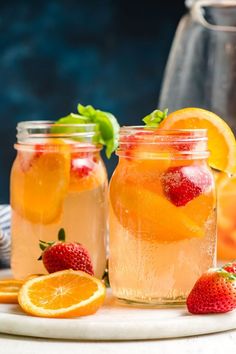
{"points": [[151, 216], [221, 140], [39, 192], [66, 293], [9, 289]]}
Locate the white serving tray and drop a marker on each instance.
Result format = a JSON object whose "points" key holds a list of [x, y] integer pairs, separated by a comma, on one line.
{"points": [[115, 322]]}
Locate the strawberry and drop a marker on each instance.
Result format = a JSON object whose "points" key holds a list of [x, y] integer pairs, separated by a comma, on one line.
{"points": [[139, 141], [63, 255], [230, 267], [214, 292], [81, 166], [181, 184], [26, 158]]}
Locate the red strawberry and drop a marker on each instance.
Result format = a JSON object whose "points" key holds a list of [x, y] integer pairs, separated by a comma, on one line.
{"points": [[62, 255], [214, 292], [81, 166], [183, 183], [230, 267], [26, 158], [131, 142], [39, 149]]}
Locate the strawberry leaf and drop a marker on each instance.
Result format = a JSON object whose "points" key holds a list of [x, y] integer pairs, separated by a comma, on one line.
{"points": [[224, 273], [61, 235]]}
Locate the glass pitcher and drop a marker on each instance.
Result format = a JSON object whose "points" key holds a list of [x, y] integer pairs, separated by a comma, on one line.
{"points": [[201, 72]]}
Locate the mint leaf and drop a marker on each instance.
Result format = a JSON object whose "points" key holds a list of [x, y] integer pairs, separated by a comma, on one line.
{"points": [[72, 118], [86, 111], [108, 126], [155, 118]]}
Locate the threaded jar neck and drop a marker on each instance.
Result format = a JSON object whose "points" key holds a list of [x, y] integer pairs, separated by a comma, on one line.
{"points": [[152, 143], [81, 136]]}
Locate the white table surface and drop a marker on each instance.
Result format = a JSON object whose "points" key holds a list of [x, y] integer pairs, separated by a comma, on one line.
{"points": [[223, 343], [220, 343]]}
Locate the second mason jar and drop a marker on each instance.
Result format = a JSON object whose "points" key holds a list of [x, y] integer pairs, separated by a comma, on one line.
{"points": [[162, 215], [57, 181]]}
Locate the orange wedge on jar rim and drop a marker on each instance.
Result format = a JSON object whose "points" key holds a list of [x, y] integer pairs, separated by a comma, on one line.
{"points": [[67, 293], [9, 289], [221, 140]]}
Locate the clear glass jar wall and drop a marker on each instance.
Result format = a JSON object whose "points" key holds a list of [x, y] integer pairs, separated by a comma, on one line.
{"points": [[162, 215], [57, 181]]}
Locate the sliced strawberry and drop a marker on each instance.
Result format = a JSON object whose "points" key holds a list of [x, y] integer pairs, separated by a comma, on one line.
{"points": [[39, 149], [214, 292], [184, 146], [26, 158], [181, 184], [82, 166], [190, 146], [136, 142]]}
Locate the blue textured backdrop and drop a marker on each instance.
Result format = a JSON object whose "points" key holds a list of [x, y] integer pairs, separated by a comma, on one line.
{"points": [[110, 54]]}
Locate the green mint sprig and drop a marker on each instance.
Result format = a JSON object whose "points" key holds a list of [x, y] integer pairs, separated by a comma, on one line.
{"points": [[107, 125], [154, 119]]}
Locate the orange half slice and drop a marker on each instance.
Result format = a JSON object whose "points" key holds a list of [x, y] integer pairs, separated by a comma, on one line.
{"points": [[9, 289], [221, 140], [66, 293]]}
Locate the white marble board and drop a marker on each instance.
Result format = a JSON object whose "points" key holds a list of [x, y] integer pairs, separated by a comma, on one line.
{"points": [[115, 322]]}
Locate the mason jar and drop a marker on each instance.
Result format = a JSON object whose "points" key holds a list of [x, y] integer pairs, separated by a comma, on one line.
{"points": [[162, 215], [58, 180]]}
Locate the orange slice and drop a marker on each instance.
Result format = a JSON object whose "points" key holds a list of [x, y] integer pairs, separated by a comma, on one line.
{"points": [[221, 140], [37, 193], [32, 276], [150, 216], [9, 289], [227, 219], [66, 293]]}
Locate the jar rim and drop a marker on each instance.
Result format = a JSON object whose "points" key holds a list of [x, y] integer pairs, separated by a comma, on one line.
{"points": [[32, 132], [50, 123], [157, 130], [162, 143]]}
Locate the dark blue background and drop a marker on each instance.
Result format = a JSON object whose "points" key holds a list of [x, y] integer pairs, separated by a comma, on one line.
{"points": [[53, 54]]}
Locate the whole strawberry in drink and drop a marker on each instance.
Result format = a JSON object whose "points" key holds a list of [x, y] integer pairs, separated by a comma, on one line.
{"points": [[214, 292], [181, 184], [62, 255]]}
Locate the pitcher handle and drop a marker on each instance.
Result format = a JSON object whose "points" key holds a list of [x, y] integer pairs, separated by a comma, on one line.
{"points": [[198, 14]]}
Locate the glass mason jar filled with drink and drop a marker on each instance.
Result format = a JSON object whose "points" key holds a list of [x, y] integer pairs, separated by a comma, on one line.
{"points": [[162, 215], [58, 180]]}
